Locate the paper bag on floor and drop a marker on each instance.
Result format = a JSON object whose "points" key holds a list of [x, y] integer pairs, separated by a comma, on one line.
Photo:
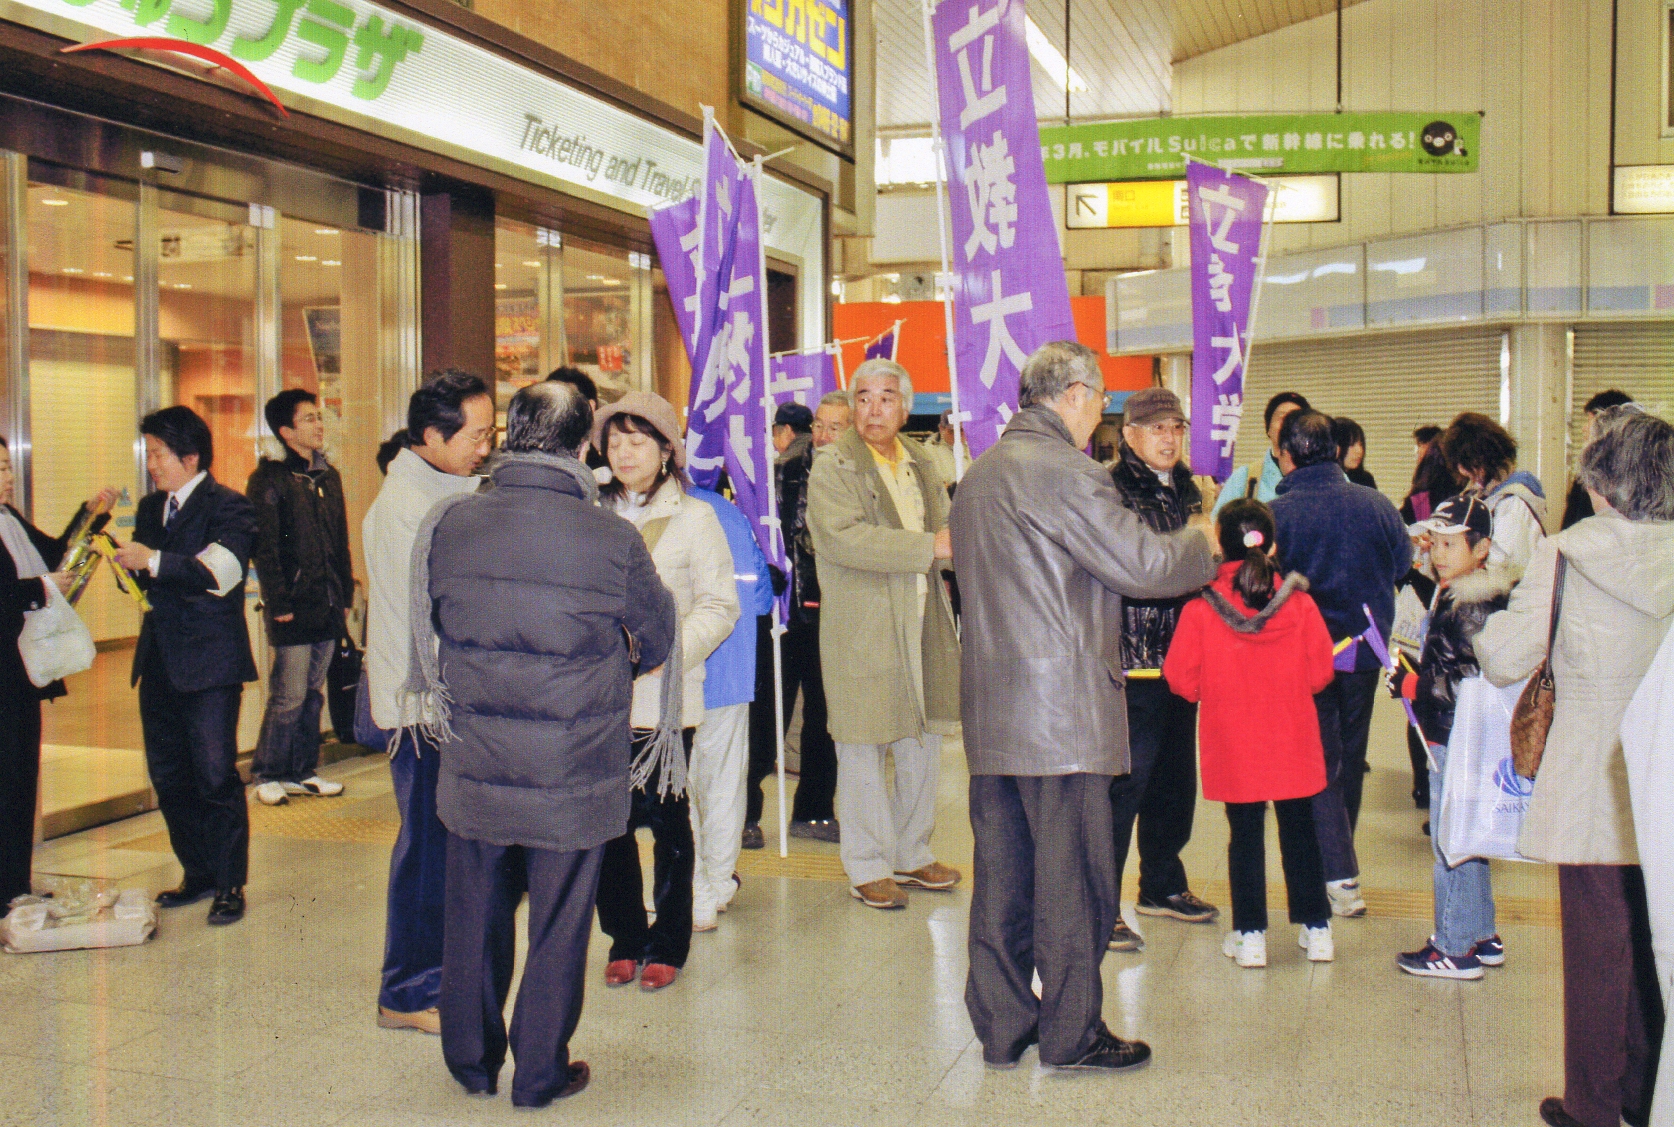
{"points": [[1483, 799]]}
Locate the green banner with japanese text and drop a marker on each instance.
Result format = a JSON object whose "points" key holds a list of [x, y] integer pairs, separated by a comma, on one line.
{"points": [[1157, 148]]}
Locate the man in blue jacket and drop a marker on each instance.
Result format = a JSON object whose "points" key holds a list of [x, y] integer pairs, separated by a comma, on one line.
{"points": [[721, 749], [1351, 544]]}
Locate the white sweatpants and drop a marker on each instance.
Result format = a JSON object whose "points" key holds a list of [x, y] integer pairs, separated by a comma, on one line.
{"points": [[720, 762], [885, 833]]}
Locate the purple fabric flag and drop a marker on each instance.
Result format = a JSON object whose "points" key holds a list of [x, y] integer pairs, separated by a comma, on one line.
{"points": [[718, 234], [883, 348], [1226, 214], [802, 379], [675, 231], [1009, 292]]}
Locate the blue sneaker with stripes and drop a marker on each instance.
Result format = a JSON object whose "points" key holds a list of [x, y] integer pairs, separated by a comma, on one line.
{"points": [[1431, 963], [1490, 952]]}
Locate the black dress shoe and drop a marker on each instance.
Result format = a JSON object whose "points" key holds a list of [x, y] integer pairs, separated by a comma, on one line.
{"points": [[187, 893], [228, 907], [580, 1074], [1111, 1054], [1552, 1112]]}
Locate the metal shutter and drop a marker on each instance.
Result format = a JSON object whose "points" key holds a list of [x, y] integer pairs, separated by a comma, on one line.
{"points": [[1637, 357], [1389, 384]]}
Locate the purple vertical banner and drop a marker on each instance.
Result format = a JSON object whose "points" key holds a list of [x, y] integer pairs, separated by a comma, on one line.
{"points": [[1009, 292], [1226, 216], [676, 231], [803, 379], [718, 233], [884, 347]]}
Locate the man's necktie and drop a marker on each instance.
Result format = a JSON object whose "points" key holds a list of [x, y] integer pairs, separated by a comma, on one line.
{"points": [[172, 511]]}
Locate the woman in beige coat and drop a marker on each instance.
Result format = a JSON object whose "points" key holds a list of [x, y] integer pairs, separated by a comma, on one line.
{"points": [[640, 435], [1618, 602]]}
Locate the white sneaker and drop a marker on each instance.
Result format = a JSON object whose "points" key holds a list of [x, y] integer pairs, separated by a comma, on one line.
{"points": [[1318, 943], [1246, 948], [316, 786], [1345, 898], [271, 794]]}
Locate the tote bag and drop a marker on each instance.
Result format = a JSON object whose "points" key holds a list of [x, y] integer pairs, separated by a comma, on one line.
{"points": [[55, 642], [1483, 797]]}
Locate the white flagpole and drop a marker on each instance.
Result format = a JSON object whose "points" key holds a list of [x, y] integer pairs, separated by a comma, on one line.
{"points": [[895, 329], [772, 486], [945, 278]]}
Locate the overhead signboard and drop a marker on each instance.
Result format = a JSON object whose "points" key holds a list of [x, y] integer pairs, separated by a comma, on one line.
{"points": [[798, 63], [1156, 148], [1162, 203]]}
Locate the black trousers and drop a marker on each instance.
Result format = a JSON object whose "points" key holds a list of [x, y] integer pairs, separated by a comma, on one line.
{"points": [[621, 889], [1160, 788], [1246, 863], [1044, 897], [485, 884], [1345, 723], [816, 789], [1613, 1012], [191, 751], [20, 778]]}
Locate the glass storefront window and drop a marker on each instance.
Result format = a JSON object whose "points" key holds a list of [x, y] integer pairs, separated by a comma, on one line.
{"points": [[599, 316], [522, 330]]}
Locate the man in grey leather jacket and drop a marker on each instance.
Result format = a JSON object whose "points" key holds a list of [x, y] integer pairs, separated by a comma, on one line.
{"points": [[1045, 552]]}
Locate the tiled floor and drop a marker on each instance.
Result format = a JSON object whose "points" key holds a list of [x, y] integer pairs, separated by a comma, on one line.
{"points": [[803, 1009]]}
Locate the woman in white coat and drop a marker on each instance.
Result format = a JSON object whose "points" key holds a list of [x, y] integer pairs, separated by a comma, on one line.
{"points": [[640, 436], [1618, 603]]}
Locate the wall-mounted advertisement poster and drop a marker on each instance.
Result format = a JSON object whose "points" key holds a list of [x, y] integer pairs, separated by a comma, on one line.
{"points": [[798, 63]]}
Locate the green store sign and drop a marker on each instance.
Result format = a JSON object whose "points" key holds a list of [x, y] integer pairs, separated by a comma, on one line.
{"points": [[1157, 148]]}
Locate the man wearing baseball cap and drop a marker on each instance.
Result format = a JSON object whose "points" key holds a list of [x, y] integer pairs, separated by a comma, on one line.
{"points": [[1160, 789]]}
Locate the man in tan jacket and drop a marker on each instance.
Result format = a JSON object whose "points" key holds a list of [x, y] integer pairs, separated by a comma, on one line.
{"points": [[877, 513]]}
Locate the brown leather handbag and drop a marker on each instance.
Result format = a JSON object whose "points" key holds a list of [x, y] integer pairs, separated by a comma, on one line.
{"points": [[1531, 720]]}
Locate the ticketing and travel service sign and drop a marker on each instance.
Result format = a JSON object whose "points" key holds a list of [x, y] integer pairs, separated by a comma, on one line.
{"points": [[797, 65], [1157, 148]]}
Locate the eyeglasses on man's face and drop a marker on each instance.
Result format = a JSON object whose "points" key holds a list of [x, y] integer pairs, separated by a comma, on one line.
{"points": [[1164, 429]]}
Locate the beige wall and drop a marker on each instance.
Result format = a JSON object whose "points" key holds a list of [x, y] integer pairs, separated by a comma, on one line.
{"points": [[1540, 69], [676, 51], [1641, 35]]}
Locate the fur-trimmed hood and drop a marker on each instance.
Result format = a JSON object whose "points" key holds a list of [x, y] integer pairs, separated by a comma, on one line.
{"points": [[1485, 584], [1223, 598]]}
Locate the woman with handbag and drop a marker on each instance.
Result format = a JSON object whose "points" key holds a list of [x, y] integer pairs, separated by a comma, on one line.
{"points": [[1587, 620], [27, 557]]}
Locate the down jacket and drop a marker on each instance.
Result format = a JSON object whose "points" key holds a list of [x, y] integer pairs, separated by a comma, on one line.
{"points": [[1255, 675], [1462, 608], [1618, 603], [302, 548], [541, 602], [1148, 624]]}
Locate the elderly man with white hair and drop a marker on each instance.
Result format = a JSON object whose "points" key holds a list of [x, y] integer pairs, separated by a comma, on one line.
{"points": [[877, 514], [1047, 553]]}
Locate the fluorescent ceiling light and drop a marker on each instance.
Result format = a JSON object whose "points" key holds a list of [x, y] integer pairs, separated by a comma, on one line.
{"points": [[532, 263], [307, 258], [1051, 59], [56, 203], [499, 285], [326, 231]]}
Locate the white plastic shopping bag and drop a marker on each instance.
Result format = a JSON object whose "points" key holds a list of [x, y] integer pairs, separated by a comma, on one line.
{"points": [[1483, 799]]}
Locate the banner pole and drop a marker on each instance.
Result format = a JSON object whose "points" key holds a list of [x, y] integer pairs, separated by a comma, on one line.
{"points": [[1261, 275], [945, 278], [842, 372]]}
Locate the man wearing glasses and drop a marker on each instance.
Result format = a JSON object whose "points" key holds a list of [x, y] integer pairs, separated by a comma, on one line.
{"points": [[1161, 789]]}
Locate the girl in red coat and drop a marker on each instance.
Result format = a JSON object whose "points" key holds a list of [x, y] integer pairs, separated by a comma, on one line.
{"points": [[1253, 652]]}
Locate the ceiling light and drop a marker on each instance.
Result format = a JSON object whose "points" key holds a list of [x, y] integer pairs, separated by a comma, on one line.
{"points": [[499, 285], [496, 266], [1051, 59], [74, 270], [127, 277], [182, 285], [327, 231], [101, 274], [332, 262], [531, 263], [612, 281], [56, 203], [307, 258]]}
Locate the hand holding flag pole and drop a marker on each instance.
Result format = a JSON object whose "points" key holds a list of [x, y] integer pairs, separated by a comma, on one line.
{"points": [[1380, 649]]}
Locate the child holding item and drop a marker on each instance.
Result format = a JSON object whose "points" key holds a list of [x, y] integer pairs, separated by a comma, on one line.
{"points": [[1253, 651], [1469, 590]]}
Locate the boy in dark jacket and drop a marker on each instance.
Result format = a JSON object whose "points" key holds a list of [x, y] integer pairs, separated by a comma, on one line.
{"points": [[1468, 591]]}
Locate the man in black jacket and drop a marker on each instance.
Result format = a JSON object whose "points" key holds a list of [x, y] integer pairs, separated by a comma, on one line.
{"points": [[545, 607], [302, 562], [191, 546], [1161, 785]]}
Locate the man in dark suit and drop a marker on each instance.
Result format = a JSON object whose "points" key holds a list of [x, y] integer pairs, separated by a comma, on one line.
{"points": [[191, 547]]}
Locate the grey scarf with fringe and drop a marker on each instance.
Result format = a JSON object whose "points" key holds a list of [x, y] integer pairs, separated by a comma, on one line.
{"points": [[663, 756]]}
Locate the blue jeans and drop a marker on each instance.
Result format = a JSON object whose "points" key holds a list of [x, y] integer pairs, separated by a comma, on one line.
{"points": [[412, 978], [289, 748], [1464, 894]]}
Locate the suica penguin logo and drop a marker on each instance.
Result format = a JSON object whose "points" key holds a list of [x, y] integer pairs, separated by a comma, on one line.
{"points": [[1439, 139], [1510, 782]]}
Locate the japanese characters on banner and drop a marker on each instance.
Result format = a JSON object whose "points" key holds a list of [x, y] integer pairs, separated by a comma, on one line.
{"points": [[718, 235], [675, 231], [802, 378], [1226, 217], [1009, 291]]}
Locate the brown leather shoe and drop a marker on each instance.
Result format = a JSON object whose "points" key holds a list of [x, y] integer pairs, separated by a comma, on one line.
{"points": [[657, 975], [935, 876], [425, 1021], [883, 893], [620, 972]]}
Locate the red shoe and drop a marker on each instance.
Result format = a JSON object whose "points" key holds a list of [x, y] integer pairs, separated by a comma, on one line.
{"points": [[620, 972], [657, 976]]}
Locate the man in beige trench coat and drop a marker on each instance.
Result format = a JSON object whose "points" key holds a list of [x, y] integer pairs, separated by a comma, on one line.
{"points": [[877, 512]]}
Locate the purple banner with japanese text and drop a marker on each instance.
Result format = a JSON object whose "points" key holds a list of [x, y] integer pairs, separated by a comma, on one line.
{"points": [[803, 379], [718, 235], [1009, 292], [675, 231], [1226, 219]]}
